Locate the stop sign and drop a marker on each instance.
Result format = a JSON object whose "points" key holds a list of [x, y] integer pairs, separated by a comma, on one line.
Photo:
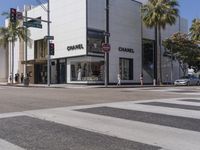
{"points": [[106, 47]]}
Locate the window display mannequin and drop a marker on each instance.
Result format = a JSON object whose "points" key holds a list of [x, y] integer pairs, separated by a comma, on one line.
{"points": [[79, 74]]}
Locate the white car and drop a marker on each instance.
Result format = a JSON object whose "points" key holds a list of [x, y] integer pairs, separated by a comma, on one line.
{"points": [[187, 80]]}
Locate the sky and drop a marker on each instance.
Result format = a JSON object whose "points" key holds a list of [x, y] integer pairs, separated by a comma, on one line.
{"points": [[189, 9]]}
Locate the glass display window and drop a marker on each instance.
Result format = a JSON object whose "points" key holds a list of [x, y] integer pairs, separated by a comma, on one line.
{"points": [[95, 40], [126, 68], [87, 71]]}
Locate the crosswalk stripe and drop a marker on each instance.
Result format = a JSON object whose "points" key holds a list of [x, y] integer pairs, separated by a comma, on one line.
{"points": [[166, 137], [169, 138], [160, 110], [4, 145]]}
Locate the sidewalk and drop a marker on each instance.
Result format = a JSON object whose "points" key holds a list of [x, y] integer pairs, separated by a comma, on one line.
{"points": [[79, 86]]}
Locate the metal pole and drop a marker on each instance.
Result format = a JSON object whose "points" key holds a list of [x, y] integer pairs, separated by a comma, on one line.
{"points": [[26, 46], [48, 52], [106, 41], [12, 59], [171, 67]]}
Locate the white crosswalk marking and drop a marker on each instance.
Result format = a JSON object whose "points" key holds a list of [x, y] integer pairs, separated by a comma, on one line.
{"points": [[4, 145], [167, 137]]}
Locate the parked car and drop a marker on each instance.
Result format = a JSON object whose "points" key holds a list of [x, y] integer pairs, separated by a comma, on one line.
{"points": [[187, 80]]}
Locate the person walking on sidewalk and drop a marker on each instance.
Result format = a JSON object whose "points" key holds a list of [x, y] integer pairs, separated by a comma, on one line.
{"points": [[22, 78], [118, 80], [141, 79]]}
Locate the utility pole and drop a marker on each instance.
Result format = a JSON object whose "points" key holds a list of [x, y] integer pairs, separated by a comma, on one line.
{"points": [[12, 58], [171, 67], [48, 51], [106, 41], [26, 78]]}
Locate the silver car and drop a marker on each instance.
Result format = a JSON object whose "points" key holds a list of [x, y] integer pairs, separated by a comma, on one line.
{"points": [[187, 80]]}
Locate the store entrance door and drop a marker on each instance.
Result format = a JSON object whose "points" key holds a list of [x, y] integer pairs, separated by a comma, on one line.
{"points": [[41, 74], [62, 73]]}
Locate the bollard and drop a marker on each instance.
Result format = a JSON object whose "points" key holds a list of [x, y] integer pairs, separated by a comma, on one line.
{"points": [[154, 82]]}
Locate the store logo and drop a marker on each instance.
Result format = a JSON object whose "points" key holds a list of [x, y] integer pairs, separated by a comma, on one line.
{"points": [[129, 50], [75, 47]]}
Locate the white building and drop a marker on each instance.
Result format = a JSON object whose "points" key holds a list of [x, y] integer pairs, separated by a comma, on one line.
{"points": [[78, 27], [3, 65]]}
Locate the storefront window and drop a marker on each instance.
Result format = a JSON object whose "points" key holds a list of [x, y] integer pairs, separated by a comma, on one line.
{"points": [[94, 41], [87, 71], [148, 57], [126, 68], [40, 47]]}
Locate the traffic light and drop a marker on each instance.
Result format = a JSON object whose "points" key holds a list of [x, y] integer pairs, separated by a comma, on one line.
{"points": [[13, 15], [51, 48]]}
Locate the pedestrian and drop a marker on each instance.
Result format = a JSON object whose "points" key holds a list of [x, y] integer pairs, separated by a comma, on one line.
{"points": [[118, 79], [10, 77], [17, 78], [141, 79], [22, 78]]}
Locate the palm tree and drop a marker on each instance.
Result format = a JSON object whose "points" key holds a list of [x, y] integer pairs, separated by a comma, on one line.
{"points": [[195, 30], [157, 14], [11, 33]]}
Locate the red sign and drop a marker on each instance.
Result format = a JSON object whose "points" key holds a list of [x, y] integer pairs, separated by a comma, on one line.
{"points": [[106, 47]]}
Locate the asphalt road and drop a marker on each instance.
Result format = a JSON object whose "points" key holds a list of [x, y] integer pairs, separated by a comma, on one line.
{"points": [[164, 118], [17, 99]]}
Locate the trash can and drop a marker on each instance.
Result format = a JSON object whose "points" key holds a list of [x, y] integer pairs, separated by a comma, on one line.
{"points": [[26, 81]]}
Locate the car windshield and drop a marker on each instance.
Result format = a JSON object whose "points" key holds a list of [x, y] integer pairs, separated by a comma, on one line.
{"points": [[184, 77]]}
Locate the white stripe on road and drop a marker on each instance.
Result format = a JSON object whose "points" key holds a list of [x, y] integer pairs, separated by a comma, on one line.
{"points": [[166, 137], [4, 145], [158, 109]]}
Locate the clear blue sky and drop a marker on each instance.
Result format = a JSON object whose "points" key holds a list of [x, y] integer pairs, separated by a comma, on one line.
{"points": [[188, 8]]}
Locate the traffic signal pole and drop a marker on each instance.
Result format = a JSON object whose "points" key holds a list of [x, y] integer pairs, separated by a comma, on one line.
{"points": [[26, 78], [106, 41], [48, 42], [13, 13]]}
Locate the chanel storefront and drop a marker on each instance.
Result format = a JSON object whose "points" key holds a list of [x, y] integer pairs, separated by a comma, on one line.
{"points": [[79, 34]]}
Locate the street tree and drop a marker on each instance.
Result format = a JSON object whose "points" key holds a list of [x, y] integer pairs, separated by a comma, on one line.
{"points": [[11, 33], [184, 50], [195, 30], [157, 14]]}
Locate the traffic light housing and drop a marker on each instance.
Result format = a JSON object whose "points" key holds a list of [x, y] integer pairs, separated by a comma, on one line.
{"points": [[13, 15], [51, 48]]}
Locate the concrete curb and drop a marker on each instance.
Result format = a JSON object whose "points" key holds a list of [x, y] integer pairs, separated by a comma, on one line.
{"points": [[87, 86]]}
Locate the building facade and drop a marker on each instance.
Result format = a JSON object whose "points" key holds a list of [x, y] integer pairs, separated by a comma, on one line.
{"points": [[79, 28]]}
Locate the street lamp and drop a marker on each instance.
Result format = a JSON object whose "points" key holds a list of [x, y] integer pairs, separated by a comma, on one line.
{"points": [[106, 41], [48, 49], [48, 42]]}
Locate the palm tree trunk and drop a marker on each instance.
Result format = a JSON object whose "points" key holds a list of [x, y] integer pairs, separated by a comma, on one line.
{"points": [[159, 52]]}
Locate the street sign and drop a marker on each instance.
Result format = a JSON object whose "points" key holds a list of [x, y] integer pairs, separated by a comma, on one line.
{"points": [[19, 16], [107, 34], [106, 47], [32, 24], [49, 37]]}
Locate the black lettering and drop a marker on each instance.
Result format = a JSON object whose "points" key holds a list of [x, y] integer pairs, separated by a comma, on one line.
{"points": [[130, 50], [75, 47]]}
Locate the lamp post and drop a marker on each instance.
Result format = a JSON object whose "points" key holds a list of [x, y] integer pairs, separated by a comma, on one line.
{"points": [[171, 66], [26, 78], [48, 51], [106, 41]]}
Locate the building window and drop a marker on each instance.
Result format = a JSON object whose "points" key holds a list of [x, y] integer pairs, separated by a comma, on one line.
{"points": [[148, 57], [87, 71], [126, 68], [40, 47], [95, 40]]}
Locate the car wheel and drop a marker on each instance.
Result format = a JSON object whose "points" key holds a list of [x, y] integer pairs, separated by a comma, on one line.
{"points": [[188, 83], [198, 83]]}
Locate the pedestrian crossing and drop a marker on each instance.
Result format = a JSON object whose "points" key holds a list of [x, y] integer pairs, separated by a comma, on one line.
{"points": [[164, 124], [175, 90]]}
